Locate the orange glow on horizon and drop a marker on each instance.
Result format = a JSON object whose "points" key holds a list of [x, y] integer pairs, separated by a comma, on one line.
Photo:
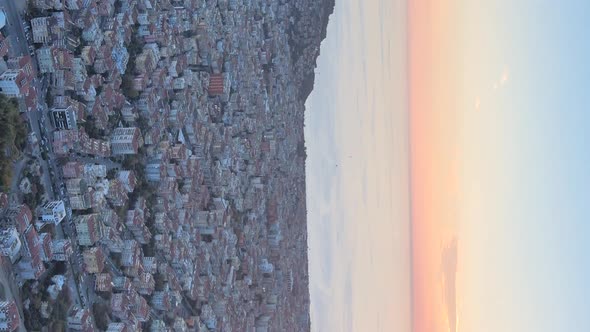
{"points": [[434, 84]]}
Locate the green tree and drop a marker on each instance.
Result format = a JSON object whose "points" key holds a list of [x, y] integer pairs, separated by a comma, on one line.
{"points": [[13, 135], [101, 315]]}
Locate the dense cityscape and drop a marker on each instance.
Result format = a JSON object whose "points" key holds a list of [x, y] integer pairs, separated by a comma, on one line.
{"points": [[153, 168]]}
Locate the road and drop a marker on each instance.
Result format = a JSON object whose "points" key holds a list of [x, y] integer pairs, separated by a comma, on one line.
{"points": [[18, 46], [41, 126], [52, 175], [14, 10]]}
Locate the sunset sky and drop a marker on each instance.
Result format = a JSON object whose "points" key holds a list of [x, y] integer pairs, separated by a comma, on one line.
{"points": [[448, 170]]}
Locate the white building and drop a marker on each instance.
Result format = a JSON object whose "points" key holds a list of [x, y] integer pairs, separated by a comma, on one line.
{"points": [[64, 118], [53, 212], [45, 60], [12, 82], [2, 19], [40, 27], [10, 243]]}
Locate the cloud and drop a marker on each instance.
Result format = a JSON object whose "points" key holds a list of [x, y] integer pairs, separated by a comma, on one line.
{"points": [[505, 75]]}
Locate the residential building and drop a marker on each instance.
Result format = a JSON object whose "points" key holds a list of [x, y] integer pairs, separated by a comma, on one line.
{"points": [[73, 169], [122, 284], [77, 186], [117, 327], [120, 305], [46, 244], [19, 216], [81, 320], [145, 283], [95, 171], [35, 249], [117, 194], [64, 118], [128, 180], [53, 212], [64, 141], [40, 29], [81, 202], [131, 256], [92, 146], [93, 260], [103, 282], [45, 59], [30, 268], [14, 83], [126, 141], [88, 228], [62, 249], [10, 244], [158, 326], [216, 87], [4, 45], [32, 243], [140, 306], [24, 63]]}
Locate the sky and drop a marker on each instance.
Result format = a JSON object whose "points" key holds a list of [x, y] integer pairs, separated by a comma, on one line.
{"points": [[447, 169]]}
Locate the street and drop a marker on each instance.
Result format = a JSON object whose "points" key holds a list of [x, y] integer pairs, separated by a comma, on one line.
{"points": [[41, 126], [14, 10]]}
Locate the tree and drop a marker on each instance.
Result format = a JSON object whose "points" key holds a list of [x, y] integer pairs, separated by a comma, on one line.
{"points": [[101, 315], [118, 6], [301, 149], [160, 281], [111, 173], [91, 129], [13, 134], [49, 98], [33, 10], [127, 86]]}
